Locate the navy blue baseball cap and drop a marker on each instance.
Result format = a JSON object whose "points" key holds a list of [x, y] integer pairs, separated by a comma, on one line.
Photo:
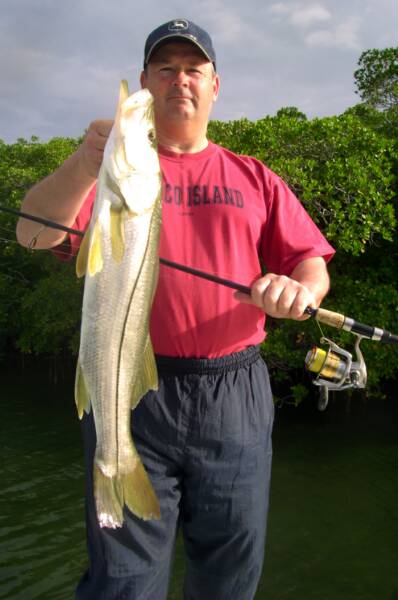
{"points": [[179, 29]]}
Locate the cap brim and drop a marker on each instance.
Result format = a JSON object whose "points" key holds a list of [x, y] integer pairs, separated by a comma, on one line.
{"points": [[179, 38]]}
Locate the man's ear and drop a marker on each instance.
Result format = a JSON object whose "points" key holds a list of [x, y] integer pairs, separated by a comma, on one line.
{"points": [[143, 79], [216, 87]]}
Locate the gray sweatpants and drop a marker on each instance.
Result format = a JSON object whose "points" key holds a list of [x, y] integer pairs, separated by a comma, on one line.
{"points": [[205, 440]]}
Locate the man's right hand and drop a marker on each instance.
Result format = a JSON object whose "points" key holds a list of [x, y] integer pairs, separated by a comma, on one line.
{"points": [[91, 151]]}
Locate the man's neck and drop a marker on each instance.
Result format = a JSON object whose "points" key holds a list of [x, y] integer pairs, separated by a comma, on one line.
{"points": [[181, 147], [183, 140]]}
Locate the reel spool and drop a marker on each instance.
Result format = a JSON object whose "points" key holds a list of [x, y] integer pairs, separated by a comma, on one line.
{"points": [[335, 369]]}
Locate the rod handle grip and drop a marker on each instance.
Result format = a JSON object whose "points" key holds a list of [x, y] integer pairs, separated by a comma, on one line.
{"points": [[329, 317]]}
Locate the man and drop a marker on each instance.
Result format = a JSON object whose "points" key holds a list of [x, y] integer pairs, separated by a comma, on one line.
{"points": [[205, 437]]}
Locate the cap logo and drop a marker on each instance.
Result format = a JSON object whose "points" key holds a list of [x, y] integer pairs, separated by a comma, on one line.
{"points": [[178, 25]]}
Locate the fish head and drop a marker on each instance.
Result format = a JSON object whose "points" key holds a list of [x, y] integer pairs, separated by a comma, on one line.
{"points": [[132, 157], [137, 129]]}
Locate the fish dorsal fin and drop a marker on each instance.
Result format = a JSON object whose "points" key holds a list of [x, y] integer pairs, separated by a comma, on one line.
{"points": [[148, 376], [82, 397], [119, 155], [117, 220], [123, 92]]}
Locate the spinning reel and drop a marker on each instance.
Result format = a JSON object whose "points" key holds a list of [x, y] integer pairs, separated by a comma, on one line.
{"points": [[334, 367]]}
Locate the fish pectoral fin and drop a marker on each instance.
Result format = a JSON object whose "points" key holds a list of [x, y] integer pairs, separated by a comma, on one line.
{"points": [[95, 261], [117, 220], [108, 496], [82, 257], [138, 493], [148, 376], [89, 260], [82, 397]]}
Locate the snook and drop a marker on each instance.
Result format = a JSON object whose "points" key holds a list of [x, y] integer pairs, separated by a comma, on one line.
{"points": [[119, 257]]}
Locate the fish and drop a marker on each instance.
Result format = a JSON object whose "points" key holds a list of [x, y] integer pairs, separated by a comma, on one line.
{"points": [[119, 258]]}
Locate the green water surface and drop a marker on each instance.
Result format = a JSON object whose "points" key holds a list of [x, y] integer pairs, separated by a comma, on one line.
{"points": [[333, 521]]}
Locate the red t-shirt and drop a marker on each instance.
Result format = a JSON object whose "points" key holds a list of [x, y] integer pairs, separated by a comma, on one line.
{"points": [[220, 213]]}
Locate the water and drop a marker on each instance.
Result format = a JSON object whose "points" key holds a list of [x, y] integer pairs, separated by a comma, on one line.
{"points": [[41, 506], [333, 524]]}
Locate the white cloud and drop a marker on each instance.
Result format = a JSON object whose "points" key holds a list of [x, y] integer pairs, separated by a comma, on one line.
{"points": [[228, 24], [301, 14], [308, 15], [345, 35]]}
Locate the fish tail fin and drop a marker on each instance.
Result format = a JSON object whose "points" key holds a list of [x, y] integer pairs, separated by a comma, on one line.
{"points": [[108, 499], [117, 219], [89, 259], [138, 493], [132, 488], [82, 397], [148, 376]]}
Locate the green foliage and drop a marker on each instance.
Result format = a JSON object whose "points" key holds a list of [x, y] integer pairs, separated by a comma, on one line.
{"points": [[292, 112], [24, 163], [377, 85], [39, 297], [49, 312], [377, 78], [298, 393]]}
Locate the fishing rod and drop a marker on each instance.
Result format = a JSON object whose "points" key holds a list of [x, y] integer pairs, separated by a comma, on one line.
{"points": [[29, 217], [322, 315], [333, 368]]}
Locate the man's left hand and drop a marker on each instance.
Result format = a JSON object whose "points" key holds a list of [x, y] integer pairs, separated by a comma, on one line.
{"points": [[280, 297]]}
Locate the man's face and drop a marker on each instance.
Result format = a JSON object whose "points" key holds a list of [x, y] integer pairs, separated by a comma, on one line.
{"points": [[182, 82]]}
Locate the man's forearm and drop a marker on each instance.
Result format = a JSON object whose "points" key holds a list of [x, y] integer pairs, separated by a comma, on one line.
{"points": [[58, 197], [314, 275]]}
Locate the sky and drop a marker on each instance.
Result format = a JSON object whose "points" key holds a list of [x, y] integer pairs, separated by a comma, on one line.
{"points": [[61, 62]]}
